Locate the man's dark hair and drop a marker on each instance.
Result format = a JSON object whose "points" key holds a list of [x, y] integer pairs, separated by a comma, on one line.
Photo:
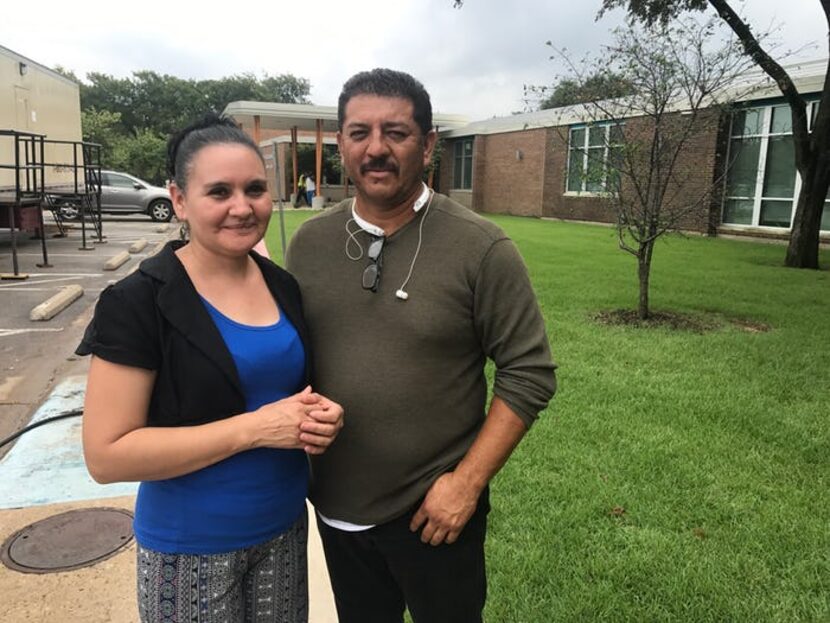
{"points": [[212, 129], [388, 83]]}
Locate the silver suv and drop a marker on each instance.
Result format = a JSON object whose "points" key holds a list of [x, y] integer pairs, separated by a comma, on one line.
{"points": [[122, 193]]}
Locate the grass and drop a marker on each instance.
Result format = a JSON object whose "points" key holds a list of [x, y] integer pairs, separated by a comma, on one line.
{"points": [[677, 475]]}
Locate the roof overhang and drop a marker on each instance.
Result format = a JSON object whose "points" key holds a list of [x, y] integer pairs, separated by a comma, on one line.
{"points": [[274, 116], [755, 85]]}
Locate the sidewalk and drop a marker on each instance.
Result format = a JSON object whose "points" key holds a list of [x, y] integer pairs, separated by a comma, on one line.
{"points": [[44, 475]]}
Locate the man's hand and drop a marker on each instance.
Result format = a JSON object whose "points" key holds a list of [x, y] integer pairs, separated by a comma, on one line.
{"points": [[446, 509]]}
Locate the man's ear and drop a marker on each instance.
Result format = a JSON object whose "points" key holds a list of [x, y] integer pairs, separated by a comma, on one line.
{"points": [[430, 140]]}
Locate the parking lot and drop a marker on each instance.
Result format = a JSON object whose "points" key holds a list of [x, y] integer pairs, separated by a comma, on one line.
{"points": [[34, 354]]}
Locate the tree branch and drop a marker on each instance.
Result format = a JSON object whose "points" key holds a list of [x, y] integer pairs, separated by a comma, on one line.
{"points": [[776, 72]]}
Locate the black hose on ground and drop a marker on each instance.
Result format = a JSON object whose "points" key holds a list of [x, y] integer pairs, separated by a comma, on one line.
{"points": [[53, 418]]}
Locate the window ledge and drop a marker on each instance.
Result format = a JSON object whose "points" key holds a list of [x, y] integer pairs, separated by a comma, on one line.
{"points": [[461, 190], [587, 194]]}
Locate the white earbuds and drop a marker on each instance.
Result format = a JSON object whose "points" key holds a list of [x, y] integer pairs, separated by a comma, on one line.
{"points": [[401, 294]]}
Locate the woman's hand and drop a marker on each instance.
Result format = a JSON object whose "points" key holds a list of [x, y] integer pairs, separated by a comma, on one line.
{"points": [[277, 424], [319, 429], [305, 420]]}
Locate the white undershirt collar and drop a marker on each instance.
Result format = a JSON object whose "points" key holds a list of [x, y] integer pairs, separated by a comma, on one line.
{"points": [[378, 231]]}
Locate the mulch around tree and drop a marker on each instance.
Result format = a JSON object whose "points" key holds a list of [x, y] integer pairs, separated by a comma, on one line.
{"points": [[676, 321]]}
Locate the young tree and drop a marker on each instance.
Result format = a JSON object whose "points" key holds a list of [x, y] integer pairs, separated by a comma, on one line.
{"points": [[633, 146], [812, 149]]}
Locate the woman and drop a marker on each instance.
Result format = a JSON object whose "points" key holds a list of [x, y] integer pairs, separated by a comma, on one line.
{"points": [[198, 388]]}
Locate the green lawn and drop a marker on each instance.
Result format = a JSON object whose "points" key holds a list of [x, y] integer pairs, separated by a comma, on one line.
{"points": [[676, 476]]}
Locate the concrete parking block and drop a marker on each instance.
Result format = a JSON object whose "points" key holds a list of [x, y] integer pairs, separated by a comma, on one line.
{"points": [[162, 228], [138, 245], [117, 260], [53, 306]]}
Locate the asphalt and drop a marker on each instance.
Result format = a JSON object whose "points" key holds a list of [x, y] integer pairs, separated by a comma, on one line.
{"points": [[42, 473]]}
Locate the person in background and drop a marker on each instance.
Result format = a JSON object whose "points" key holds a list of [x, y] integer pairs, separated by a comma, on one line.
{"points": [[301, 192], [407, 295], [199, 388], [310, 188]]}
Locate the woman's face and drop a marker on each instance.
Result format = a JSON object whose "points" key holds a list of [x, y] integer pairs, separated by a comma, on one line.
{"points": [[226, 202]]}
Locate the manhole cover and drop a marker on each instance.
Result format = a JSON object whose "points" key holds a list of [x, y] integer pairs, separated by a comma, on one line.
{"points": [[68, 541]]}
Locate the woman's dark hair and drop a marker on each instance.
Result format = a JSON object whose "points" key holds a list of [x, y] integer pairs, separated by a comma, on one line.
{"points": [[212, 129], [388, 83]]}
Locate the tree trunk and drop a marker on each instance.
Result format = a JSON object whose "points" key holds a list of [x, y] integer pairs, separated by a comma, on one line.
{"points": [[644, 272], [802, 251]]}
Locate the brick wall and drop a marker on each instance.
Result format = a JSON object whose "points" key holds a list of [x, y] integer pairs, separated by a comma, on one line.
{"points": [[502, 182], [697, 189], [511, 180], [534, 184]]}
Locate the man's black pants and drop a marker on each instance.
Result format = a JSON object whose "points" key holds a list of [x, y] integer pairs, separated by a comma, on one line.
{"points": [[376, 573]]}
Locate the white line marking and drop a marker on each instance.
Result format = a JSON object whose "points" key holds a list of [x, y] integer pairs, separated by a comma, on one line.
{"points": [[66, 274], [55, 289], [39, 282], [10, 332]]}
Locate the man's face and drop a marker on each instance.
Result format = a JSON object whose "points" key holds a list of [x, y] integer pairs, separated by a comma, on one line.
{"points": [[383, 149]]}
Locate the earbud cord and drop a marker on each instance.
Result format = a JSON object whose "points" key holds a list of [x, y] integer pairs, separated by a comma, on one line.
{"points": [[420, 237], [353, 238]]}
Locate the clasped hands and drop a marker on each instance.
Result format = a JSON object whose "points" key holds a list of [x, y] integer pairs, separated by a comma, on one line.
{"points": [[307, 420]]}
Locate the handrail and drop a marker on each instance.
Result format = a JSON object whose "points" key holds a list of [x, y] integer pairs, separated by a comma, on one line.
{"points": [[21, 133]]}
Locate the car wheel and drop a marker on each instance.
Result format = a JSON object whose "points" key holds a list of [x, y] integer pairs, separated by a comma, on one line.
{"points": [[161, 210], [69, 212]]}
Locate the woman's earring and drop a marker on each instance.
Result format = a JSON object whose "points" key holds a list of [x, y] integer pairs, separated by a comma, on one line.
{"points": [[184, 231]]}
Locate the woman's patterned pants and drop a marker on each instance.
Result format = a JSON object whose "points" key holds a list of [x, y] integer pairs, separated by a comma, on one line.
{"points": [[266, 583]]}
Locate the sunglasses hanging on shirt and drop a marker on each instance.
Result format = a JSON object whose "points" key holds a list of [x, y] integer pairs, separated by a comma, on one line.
{"points": [[371, 274]]}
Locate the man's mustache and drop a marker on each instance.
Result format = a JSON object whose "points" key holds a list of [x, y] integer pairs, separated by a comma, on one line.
{"points": [[378, 165]]}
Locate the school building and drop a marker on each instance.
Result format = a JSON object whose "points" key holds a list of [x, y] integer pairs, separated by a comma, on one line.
{"points": [[535, 164]]}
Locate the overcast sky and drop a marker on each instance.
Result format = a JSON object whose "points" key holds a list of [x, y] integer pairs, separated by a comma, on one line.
{"points": [[474, 61]]}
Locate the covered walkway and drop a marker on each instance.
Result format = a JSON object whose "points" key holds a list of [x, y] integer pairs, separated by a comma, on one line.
{"points": [[274, 126]]}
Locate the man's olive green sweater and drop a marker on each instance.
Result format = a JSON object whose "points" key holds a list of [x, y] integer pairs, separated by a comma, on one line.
{"points": [[410, 373]]}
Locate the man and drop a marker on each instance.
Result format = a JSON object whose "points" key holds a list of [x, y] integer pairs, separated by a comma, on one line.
{"points": [[300, 191], [406, 294]]}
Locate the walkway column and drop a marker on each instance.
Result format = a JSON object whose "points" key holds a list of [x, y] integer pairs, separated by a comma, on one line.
{"points": [[318, 179], [294, 158], [257, 130]]}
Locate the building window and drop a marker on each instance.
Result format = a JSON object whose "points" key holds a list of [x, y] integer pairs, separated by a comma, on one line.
{"points": [[762, 183], [590, 149], [463, 164]]}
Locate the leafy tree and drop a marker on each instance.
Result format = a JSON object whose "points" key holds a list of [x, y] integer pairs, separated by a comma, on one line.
{"points": [[102, 127], [812, 149], [67, 73], [131, 117], [603, 84], [632, 146], [142, 154]]}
